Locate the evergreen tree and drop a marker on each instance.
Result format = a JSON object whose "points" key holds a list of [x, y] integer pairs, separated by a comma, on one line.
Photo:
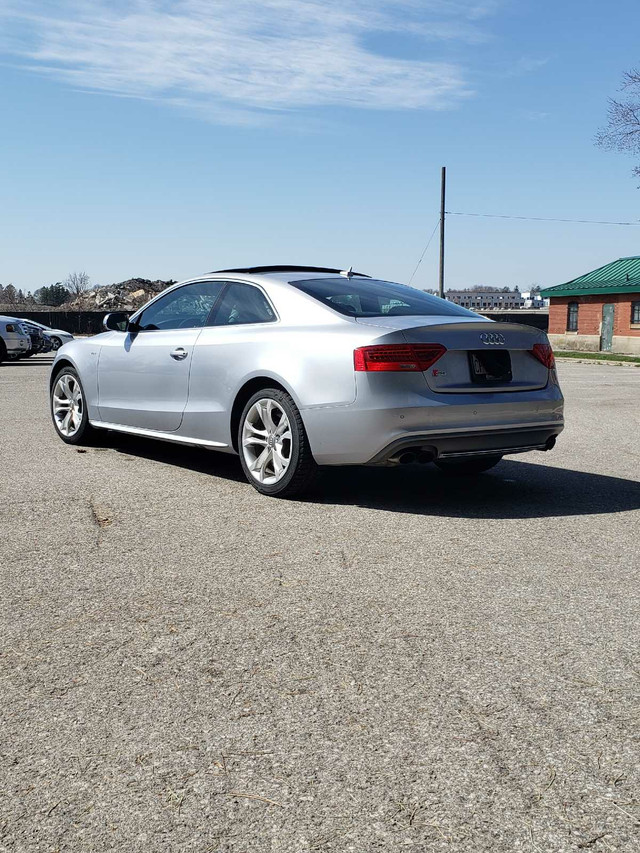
{"points": [[53, 294]]}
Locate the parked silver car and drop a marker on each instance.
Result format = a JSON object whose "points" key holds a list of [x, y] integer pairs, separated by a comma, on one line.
{"points": [[297, 367], [14, 340]]}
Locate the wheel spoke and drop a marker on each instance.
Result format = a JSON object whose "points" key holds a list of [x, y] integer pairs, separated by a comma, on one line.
{"points": [[253, 437], [252, 428], [66, 387], [283, 426], [267, 415], [257, 440], [279, 463], [260, 462]]}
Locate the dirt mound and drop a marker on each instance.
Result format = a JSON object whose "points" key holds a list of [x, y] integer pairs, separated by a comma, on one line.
{"points": [[123, 296]]}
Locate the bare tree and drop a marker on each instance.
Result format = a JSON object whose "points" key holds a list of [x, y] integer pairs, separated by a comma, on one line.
{"points": [[622, 133], [77, 282]]}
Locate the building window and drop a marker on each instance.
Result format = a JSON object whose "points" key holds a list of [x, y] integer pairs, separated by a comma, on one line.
{"points": [[635, 313], [572, 317]]}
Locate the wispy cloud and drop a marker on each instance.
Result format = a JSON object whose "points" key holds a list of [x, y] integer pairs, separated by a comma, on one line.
{"points": [[241, 59], [528, 64], [534, 115]]}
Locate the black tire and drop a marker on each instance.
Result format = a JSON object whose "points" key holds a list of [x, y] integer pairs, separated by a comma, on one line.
{"points": [[465, 465], [302, 467], [85, 432], [3, 351], [56, 343]]}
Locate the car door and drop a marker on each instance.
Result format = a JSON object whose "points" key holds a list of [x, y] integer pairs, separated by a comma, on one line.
{"points": [[143, 374], [239, 336]]}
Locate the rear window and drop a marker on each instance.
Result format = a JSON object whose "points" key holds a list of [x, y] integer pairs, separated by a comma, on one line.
{"points": [[372, 298]]}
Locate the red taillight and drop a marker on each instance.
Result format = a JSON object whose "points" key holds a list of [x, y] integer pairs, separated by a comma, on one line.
{"points": [[397, 357], [544, 353]]}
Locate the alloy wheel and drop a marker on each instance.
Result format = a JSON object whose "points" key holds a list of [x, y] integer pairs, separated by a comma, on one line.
{"points": [[267, 441], [68, 405]]}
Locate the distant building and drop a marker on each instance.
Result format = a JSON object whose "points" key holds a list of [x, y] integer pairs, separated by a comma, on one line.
{"points": [[533, 299], [599, 310], [491, 300]]}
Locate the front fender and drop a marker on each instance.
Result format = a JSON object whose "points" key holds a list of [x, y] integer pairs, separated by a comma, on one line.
{"points": [[83, 357]]}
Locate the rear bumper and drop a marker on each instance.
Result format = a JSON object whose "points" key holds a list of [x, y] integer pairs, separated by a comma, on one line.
{"points": [[373, 429]]}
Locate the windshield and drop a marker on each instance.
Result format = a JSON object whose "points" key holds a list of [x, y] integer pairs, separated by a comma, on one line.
{"points": [[372, 298]]}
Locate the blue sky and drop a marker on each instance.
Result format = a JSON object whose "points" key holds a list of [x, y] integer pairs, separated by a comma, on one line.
{"points": [[165, 138]]}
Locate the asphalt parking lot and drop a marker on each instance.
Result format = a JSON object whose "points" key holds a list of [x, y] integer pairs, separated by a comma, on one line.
{"points": [[403, 661]]}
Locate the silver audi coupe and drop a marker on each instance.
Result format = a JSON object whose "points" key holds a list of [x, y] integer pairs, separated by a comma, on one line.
{"points": [[296, 367]]}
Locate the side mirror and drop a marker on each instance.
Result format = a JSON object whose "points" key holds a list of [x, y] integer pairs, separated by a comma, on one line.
{"points": [[116, 321]]}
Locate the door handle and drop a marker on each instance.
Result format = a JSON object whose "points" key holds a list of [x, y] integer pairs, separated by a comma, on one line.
{"points": [[179, 353]]}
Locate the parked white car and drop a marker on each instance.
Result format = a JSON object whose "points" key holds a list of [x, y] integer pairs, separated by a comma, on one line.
{"points": [[14, 341]]}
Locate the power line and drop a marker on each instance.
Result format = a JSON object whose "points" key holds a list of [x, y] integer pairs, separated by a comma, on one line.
{"points": [[522, 218], [435, 227], [542, 219]]}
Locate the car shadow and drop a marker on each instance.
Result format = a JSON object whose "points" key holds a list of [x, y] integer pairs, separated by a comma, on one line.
{"points": [[223, 465], [516, 488]]}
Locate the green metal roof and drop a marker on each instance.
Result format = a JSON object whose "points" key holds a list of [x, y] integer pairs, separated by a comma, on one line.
{"points": [[621, 276]]}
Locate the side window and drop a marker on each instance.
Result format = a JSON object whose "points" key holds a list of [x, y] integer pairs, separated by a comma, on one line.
{"points": [[243, 303], [572, 317], [188, 307], [635, 313]]}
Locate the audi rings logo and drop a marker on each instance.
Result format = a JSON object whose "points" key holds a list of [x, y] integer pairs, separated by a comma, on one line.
{"points": [[493, 339]]}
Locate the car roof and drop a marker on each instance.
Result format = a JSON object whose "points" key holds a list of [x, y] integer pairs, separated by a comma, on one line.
{"points": [[278, 275], [284, 271]]}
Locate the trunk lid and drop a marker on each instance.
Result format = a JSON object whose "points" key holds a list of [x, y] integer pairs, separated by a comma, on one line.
{"points": [[482, 356]]}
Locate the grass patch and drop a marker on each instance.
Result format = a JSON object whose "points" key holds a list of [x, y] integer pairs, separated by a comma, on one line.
{"points": [[598, 356]]}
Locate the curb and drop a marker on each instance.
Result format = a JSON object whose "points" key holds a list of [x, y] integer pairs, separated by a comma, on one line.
{"points": [[597, 361]]}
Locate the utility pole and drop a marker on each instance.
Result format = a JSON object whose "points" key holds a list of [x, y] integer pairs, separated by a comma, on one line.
{"points": [[443, 188]]}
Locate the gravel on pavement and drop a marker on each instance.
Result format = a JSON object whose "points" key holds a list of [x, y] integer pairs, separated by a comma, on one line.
{"points": [[404, 660]]}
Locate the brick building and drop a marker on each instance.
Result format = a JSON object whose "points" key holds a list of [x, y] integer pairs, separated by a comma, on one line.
{"points": [[599, 310]]}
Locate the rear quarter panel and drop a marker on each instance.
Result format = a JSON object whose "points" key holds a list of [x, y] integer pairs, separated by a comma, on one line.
{"points": [[314, 364]]}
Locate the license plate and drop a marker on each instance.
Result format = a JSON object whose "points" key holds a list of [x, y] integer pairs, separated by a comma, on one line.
{"points": [[490, 367]]}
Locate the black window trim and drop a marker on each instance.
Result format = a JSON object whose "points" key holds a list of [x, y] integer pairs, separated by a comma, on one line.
{"points": [[569, 315], [635, 307]]}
